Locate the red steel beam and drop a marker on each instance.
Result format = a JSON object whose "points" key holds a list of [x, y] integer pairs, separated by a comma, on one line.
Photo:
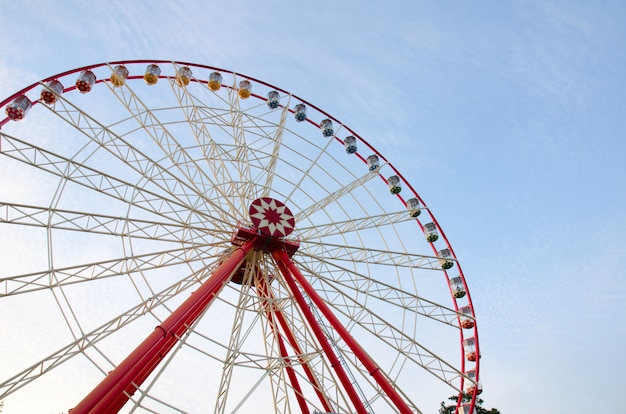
{"points": [[282, 321], [270, 311], [115, 390], [369, 364], [290, 371], [282, 261], [307, 369]]}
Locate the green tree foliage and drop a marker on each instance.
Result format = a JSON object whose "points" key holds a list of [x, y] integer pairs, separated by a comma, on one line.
{"points": [[467, 398]]}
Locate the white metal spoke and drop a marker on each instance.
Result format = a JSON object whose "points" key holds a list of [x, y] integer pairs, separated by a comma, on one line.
{"points": [[152, 172], [333, 197], [88, 272], [88, 340], [59, 219], [345, 279], [93, 179], [278, 142], [199, 116], [235, 341], [356, 254], [353, 225], [105, 138], [307, 173], [159, 133], [388, 333], [278, 379], [238, 135]]}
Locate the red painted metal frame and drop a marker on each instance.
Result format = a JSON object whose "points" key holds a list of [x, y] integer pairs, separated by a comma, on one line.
{"points": [[291, 373], [270, 311], [290, 270], [265, 292], [335, 363], [116, 389]]}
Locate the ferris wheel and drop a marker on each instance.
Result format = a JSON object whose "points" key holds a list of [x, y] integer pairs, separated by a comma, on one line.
{"points": [[180, 238]]}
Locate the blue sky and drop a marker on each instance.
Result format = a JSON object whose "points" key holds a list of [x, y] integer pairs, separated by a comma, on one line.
{"points": [[506, 116]]}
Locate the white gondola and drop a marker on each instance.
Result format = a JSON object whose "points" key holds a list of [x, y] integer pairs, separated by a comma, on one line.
{"points": [[51, 92], [245, 89], [413, 205], [445, 259], [327, 128], [469, 346], [350, 144], [85, 81], [273, 99], [183, 76], [471, 386], [119, 75], [457, 287], [372, 162], [394, 184], [17, 109], [466, 409], [431, 233], [215, 81], [466, 317], [151, 77], [299, 112]]}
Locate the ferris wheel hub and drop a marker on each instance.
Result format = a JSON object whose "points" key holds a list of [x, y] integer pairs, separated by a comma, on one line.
{"points": [[271, 217]]}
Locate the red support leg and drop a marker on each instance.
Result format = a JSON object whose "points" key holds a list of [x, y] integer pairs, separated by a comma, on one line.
{"points": [[283, 259], [115, 390], [269, 314], [291, 372], [307, 369], [265, 292]]}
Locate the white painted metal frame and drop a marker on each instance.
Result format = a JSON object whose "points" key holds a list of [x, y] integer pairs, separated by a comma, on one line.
{"points": [[182, 164]]}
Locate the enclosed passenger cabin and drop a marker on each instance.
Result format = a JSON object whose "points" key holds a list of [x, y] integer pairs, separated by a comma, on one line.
{"points": [[53, 89], [151, 77], [245, 89], [17, 109], [119, 75], [85, 81], [413, 205], [466, 409], [445, 259], [299, 112], [466, 318], [350, 144], [327, 128], [273, 99], [472, 385], [372, 162], [215, 81], [457, 288], [394, 184], [431, 233], [183, 76], [469, 346]]}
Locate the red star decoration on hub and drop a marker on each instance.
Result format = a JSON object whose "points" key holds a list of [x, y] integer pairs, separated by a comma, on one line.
{"points": [[271, 217]]}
